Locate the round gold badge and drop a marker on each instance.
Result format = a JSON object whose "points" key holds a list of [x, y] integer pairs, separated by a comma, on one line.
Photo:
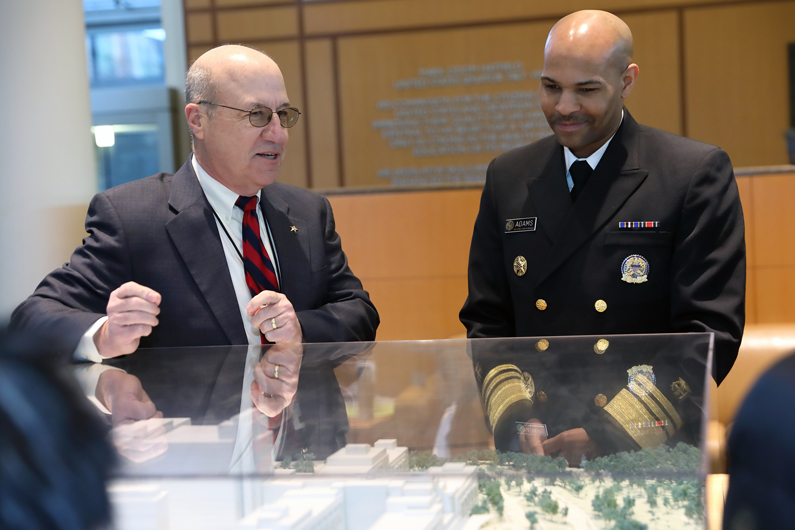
{"points": [[542, 345], [601, 306], [601, 346], [541, 396], [635, 269], [509, 226], [541, 304], [520, 265], [600, 400]]}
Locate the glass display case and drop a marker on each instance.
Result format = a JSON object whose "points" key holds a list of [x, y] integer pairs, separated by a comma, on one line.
{"points": [[552, 432]]}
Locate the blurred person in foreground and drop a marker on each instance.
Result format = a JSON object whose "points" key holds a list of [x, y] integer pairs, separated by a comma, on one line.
{"points": [[760, 454], [54, 451], [218, 253]]}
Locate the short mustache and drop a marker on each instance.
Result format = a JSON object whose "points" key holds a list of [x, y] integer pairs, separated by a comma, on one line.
{"points": [[572, 118]]}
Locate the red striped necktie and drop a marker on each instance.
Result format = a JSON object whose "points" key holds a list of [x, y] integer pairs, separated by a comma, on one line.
{"points": [[260, 275]]}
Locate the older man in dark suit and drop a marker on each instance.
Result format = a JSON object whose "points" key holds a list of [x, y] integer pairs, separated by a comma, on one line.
{"points": [[218, 253], [607, 227]]}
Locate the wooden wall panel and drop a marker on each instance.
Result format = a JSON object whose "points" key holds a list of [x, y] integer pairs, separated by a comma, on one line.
{"points": [[424, 234], [256, 24], [239, 3], [199, 27], [745, 185], [194, 52], [696, 58], [196, 4], [771, 233], [321, 113], [752, 298], [775, 288], [774, 220], [411, 251], [737, 81], [656, 98], [419, 308], [370, 65], [374, 15]]}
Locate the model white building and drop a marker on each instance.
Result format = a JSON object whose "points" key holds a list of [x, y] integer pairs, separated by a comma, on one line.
{"points": [[360, 487]]}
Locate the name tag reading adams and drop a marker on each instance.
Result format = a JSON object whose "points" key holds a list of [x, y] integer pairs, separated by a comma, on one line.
{"points": [[524, 224]]}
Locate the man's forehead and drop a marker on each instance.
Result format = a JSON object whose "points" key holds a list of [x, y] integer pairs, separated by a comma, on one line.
{"points": [[256, 90], [574, 68]]}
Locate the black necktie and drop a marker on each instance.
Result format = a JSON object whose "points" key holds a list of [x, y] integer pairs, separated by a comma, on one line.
{"points": [[580, 171]]}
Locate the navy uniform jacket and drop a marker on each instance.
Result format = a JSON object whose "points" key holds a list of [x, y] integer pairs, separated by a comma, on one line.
{"points": [[160, 232], [695, 256]]}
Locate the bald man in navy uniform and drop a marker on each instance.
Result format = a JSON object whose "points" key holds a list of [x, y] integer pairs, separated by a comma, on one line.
{"points": [[607, 226]]}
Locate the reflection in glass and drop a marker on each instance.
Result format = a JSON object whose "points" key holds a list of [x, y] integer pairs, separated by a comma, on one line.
{"points": [[425, 423]]}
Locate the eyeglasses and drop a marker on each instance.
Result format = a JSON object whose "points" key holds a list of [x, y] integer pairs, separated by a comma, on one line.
{"points": [[261, 116]]}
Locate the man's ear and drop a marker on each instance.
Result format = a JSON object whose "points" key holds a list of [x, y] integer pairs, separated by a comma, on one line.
{"points": [[628, 79], [196, 120]]}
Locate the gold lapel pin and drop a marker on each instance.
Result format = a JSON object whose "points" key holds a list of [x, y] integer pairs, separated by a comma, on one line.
{"points": [[293, 229]]}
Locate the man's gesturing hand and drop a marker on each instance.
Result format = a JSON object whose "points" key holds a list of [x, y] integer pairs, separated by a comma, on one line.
{"points": [[273, 314], [132, 313]]}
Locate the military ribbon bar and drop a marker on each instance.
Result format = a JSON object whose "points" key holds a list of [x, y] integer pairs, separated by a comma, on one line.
{"points": [[639, 224]]}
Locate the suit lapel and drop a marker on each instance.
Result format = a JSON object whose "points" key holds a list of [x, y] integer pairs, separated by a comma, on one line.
{"points": [[292, 246], [550, 195], [195, 236], [613, 181]]}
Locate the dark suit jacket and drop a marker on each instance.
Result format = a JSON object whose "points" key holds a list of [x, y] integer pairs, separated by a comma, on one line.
{"points": [[696, 257], [160, 232]]}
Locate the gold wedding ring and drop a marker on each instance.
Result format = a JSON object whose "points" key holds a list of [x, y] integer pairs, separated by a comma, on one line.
{"points": [[276, 372], [273, 323]]}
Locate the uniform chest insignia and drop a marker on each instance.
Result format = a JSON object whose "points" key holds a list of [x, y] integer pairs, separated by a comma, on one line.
{"points": [[522, 224], [641, 379], [680, 388], [520, 265], [529, 384], [635, 269]]}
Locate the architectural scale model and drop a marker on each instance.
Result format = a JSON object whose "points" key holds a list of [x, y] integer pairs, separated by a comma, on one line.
{"points": [[383, 487]]}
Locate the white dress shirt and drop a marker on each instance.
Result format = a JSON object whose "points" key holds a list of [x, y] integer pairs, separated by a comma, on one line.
{"points": [[592, 160]]}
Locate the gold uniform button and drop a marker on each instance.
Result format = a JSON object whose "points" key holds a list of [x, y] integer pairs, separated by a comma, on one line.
{"points": [[600, 400], [541, 304], [541, 396], [542, 345], [601, 306], [601, 346]]}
